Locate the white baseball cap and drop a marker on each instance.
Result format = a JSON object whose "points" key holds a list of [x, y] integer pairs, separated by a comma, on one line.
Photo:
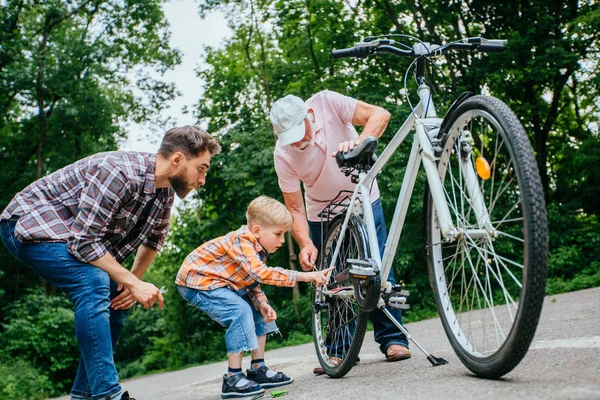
{"points": [[287, 117]]}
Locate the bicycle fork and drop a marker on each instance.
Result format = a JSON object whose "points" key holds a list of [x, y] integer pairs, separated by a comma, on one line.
{"points": [[449, 231]]}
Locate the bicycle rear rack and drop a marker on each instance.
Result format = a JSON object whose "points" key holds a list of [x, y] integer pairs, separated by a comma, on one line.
{"points": [[335, 207]]}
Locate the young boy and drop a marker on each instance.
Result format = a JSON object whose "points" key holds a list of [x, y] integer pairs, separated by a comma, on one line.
{"points": [[222, 278]]}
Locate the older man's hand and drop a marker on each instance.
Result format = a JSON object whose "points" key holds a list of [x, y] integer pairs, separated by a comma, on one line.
{"points": [[308, 257]]}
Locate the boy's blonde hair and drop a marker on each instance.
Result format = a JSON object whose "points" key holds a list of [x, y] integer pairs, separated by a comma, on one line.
{"points": [[265, 210]]}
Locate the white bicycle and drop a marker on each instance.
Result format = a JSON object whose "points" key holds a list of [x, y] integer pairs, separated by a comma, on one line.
{"points": [[485, 221]]}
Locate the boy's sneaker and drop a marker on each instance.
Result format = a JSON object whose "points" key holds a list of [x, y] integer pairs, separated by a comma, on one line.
{"points": [[238, 385], [262, 377]]}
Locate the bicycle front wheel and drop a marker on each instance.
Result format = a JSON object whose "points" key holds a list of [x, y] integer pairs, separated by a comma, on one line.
{"points": [[489, 284], [338, 323]]}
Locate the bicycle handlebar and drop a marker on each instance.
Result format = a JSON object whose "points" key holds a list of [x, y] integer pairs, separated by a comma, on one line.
{"points": [[367, 47], [351, 52]]}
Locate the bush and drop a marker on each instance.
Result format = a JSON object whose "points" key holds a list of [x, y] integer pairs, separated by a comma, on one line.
{"points": [[574, 250], [21, 381], [39, 329], [136, 339]]}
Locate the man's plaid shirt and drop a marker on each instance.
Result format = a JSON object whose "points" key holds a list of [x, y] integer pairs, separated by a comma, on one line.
{"points": [[235, 261], [95, 205]]}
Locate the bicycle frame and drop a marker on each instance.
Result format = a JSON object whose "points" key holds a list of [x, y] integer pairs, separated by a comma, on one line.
{"points": [[427, 125]]}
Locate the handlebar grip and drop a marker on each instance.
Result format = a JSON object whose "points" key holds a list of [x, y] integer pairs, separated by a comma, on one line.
{"points": [[491, 48], [351, 52]]}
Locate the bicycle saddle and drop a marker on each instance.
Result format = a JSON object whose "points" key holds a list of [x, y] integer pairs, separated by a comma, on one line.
{"points": [[361, 157]]}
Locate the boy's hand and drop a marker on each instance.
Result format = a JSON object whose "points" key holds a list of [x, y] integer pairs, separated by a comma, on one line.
{"points": [[267, 312], [318, 277]]}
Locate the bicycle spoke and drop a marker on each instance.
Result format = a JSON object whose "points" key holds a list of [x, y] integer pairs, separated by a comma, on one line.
{"points": [[488, 301], [497, 223], [511, 236], [497, 276], [500, 193]]}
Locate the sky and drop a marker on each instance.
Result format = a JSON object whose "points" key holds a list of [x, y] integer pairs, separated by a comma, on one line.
{"points": [[189, 34]]}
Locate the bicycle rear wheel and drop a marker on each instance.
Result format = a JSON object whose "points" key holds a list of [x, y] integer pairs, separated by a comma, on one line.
{"points": [[489, 288], [338, 324]]}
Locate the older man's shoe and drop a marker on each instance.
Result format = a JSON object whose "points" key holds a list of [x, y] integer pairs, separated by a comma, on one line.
{"points": [[397, 352]]}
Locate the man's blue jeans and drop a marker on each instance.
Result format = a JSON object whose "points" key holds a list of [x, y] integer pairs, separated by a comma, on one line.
{"points": [[386, 333], [97, 326]]}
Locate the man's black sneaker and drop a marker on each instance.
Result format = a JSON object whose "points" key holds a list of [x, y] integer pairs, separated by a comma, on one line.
{"points": [[260, 376], [125, 396], [238, 385]]}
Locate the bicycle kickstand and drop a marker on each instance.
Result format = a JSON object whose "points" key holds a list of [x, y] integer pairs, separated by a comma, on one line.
{"points": [[435, 361]]}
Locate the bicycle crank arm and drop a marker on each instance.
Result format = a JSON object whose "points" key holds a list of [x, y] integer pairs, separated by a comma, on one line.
{"points": [[435, 361]]}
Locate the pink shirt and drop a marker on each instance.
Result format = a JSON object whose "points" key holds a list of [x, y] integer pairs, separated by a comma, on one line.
{"points": [[315, 166]]}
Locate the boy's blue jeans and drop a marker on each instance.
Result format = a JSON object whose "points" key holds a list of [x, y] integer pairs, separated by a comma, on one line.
{"points": [[233, 310], [386, 333], [97, 326]]}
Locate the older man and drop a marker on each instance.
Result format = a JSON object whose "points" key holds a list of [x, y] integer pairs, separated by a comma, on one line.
{"points": [[77, 225], [309, 135]]}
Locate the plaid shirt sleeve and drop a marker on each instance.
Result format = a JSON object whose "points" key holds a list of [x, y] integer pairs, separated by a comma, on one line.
{"points": [[244, 254], [257, 296], [104, 192]]}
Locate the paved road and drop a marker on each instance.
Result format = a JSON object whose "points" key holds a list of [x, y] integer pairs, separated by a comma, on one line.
{"points": [[562, 363]]}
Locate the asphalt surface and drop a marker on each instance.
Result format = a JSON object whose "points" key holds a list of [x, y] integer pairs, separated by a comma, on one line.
{"points": [[563, 363]]}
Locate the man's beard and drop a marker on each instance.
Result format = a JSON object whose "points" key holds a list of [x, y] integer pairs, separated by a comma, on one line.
{"points": [[180, 185], [305, 145]]}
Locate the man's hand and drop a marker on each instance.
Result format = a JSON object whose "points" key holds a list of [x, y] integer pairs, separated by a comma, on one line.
{"points": [[147, 294], [124, 300], [345, 147], [267, 312], [308, 257]]}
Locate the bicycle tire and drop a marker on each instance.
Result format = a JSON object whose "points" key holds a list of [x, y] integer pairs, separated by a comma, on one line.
{"points": [[513, 265], [339, 328]]}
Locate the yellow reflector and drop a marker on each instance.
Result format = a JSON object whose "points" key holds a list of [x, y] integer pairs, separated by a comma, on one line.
{"points": [[483, 168]]}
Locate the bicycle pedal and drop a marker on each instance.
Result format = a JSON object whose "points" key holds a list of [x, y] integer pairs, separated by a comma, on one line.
{"points": [[398, 291], [398, 303], [362, 268], [359, 263], [359, 272]]}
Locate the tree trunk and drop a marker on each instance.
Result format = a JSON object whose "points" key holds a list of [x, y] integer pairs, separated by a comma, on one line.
{"points": [[263, 57], [310, 45], [42, 121], [39, 84], [292, 263]]}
